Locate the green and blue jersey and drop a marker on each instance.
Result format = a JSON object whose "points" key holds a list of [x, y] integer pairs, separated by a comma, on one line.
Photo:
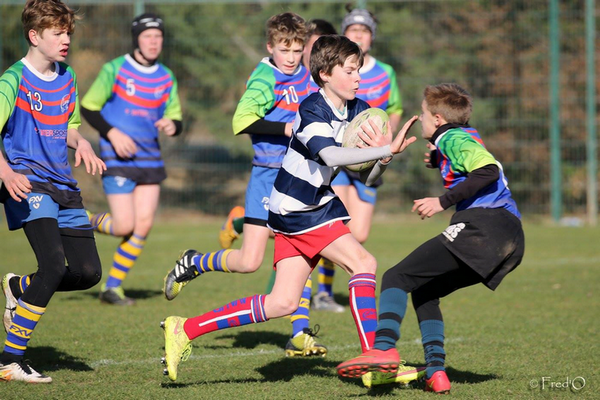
{"points": [[461, 150], [131, 98], [36, 111], [274, 96], [379, 87]]}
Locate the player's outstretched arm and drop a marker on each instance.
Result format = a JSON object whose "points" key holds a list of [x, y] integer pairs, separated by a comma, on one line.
{"points": [[85, 153], [373, 137], [400, 142]]}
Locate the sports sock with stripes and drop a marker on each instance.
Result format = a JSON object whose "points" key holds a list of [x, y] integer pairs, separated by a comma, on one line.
{"points": [[102, 223], [216, 261], [124, 258], [299, 318], [392, 308], [249, 310], [432, 334], [363, 307], [26, 318], [326, 273], [18, 284]]}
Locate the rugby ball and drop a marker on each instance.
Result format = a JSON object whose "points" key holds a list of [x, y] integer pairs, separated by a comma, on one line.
{"points": [[351, 138]]}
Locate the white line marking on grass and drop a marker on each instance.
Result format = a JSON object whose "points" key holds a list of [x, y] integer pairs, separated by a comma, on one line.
{"points": [[242, 354]]}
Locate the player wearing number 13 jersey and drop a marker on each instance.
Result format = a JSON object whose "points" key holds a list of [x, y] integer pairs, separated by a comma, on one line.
{"points": [[39, 117], [53, 101]]}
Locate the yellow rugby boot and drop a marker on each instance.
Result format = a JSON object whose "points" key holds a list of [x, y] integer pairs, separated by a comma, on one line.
{"points": [[305, 345], [227, 235], [178, 346], [404, 376]]}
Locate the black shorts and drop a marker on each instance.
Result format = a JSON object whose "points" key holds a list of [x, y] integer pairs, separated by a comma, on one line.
{"points": [[489, 240], [141, 176]]}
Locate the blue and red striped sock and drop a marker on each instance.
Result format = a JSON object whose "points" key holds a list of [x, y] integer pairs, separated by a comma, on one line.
{"points": [[249, 310], [364, 308]]}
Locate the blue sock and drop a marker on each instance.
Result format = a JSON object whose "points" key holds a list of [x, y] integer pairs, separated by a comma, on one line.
{"points": [[392, 307], [300, 317], [432, 334], [216, 261]]}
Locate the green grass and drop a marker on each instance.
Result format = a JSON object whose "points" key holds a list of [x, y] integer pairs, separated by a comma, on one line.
{"points": [[541, 322]]}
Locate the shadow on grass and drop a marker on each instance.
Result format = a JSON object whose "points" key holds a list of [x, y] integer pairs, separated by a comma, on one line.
{"points": [[47, 358], [251, 340], [341, 299], [455, 376], [286, 369], [283, 370], [459, 376], [136, 294]]}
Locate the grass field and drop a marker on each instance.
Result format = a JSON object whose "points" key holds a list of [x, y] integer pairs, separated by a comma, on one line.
{"points": [[540, 326]]}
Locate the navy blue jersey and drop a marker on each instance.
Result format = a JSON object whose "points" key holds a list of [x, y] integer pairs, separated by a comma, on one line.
{"points": [[302, 199]]}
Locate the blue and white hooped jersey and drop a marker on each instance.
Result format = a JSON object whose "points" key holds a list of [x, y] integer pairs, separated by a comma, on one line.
{"points": [[302, 199]]}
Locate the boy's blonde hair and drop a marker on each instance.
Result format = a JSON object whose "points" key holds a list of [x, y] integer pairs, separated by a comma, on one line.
{"points": [[43, 14], [450, 101], [286, 28], [329, 51]]}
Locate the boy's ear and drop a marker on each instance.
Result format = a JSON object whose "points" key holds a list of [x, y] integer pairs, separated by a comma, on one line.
{"points": [[269, 48], [439, 120], [324, 76], [33, 36]]}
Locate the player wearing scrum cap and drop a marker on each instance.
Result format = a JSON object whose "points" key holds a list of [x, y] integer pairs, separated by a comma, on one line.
{"points": [[133, 98]]}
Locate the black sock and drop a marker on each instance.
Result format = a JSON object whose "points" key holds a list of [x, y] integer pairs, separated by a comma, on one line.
{"points": [[9, 358], [15, 288]]}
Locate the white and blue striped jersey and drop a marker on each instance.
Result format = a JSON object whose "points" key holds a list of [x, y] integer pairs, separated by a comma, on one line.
{"points": [[302, 199]]}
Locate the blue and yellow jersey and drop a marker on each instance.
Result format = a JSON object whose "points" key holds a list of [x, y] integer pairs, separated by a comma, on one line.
{"points": [[132, 97], [36, 112], [460, 150], [274, 96], [379, 87]]}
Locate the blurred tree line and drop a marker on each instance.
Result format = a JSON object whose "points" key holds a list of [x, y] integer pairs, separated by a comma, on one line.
{"points": [[497, 49]]}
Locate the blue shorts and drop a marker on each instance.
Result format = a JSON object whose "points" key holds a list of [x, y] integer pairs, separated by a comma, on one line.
{"points": [[365, 193], [41, 205], [118, 185], [257, 194]]}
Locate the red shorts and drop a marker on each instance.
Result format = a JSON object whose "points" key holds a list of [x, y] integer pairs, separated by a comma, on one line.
{"points": [[308, 244]]}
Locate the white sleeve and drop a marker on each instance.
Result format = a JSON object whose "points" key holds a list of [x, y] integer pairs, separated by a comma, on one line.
{"points": [[334, 156], [370, 176]]}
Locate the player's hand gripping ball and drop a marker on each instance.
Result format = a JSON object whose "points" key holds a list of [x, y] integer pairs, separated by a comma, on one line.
{"points": [[351, 138]]}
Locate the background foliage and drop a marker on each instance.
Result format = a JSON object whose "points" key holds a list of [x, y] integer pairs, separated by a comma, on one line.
{"points": [[497, 49]]}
